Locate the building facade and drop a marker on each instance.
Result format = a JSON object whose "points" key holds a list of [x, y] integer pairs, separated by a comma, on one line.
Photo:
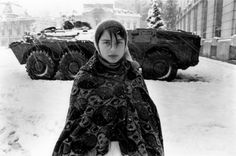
{"points": [[208, 18], [215, 22], [13, 24], [96, 12]]}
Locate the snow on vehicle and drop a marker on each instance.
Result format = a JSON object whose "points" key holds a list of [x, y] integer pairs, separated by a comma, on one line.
{"points": [[159, 52]]}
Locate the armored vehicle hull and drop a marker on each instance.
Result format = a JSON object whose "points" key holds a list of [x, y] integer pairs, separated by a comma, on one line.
{"points": [[160, 53]]}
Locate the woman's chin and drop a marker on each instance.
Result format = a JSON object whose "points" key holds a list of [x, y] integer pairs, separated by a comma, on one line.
{"points": [[113, 61]]}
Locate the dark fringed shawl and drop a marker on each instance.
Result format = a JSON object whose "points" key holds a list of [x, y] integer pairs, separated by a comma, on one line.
{"points": [[110, 104]]}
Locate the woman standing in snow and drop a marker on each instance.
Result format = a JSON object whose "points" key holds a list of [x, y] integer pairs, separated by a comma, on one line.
{"points": [[110, 108]]}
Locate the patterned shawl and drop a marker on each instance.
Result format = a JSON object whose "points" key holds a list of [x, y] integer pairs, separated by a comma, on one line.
{"points": [[110, 104]]}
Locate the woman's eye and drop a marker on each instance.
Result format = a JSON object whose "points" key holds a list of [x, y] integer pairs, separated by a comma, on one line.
{"points": [[107, 43]]}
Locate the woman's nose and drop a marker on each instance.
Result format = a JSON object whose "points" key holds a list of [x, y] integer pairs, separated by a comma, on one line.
{"points": [[113, 46]]}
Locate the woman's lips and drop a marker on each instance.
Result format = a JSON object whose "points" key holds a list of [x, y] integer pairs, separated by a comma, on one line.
{"points": [[113, 56]]}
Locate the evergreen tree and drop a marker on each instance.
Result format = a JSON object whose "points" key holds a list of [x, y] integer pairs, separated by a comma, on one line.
{"points": [[170, 14], [144, 12], [154, 16]]}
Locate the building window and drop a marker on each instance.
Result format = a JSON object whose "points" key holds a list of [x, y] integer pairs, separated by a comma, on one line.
{"points": [[128, 25], [195, 19], [184, 28], [135, 25], [10, 32], [4, 43], [189, 20], [18, 30], [204, 18], [233, 31], [3, 32], [180, 24], [217, 18]]}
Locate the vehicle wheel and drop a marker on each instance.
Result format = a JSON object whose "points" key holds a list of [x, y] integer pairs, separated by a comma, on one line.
{"points": [[164, 70], [40, 65], [70, 64], [159, 65]]}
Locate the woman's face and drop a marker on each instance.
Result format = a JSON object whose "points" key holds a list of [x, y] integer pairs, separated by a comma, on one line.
{"points": [[111, 50]]}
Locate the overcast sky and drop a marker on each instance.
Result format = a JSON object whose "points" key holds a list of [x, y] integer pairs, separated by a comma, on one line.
{"points": [[52, 7]]}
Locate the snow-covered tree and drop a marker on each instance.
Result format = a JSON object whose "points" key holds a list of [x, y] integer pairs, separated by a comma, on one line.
{"points": [[170, 14], [145, 6], [154, 15]]}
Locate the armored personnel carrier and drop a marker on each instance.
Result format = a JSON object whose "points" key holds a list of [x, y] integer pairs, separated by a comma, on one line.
{"points": [[160, 53]]}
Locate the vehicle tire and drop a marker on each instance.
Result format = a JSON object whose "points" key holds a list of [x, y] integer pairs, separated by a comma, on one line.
{"points": [[40, 65], [164, 70], [70, 64], [160, 66]]}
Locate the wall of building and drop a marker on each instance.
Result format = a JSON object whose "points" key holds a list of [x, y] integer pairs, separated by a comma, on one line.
{"points": [[13, 30], [225, 25], [94, 20], [199, 18], [13, 23], [215, 23], [227, 20], [129, 21], [210, 19], [95, 14]]}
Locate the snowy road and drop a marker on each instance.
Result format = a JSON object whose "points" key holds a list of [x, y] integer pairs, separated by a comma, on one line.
{"points": [[197, 110]]}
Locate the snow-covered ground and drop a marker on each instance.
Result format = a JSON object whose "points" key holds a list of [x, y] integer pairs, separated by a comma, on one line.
{"points": [[197, 110]]}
